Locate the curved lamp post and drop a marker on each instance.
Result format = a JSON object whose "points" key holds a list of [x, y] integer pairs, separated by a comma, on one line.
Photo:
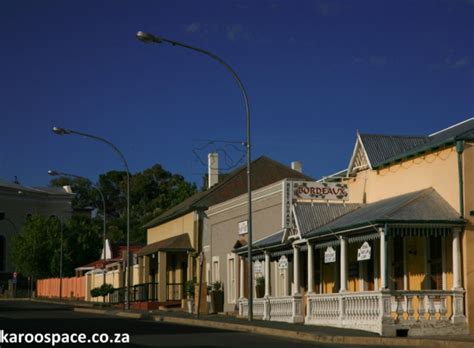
{"points": [[149, 38], [63, 131], [56, 173]]}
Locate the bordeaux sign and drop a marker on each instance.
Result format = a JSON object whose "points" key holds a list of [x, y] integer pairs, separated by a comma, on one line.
{"points": [[320, 190]]}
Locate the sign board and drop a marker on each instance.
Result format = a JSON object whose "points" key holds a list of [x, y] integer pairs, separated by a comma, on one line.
{"points": [[320, 190], [283, 262], [363, 253], [330, 255], [287, 214], [257, 268], [243, 227]]}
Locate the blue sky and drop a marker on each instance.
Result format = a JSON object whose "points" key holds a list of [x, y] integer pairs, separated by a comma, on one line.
{"points": [[315, 71]]}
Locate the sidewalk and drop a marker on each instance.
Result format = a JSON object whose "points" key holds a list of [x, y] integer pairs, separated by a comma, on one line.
{"points": [[301, 332]]}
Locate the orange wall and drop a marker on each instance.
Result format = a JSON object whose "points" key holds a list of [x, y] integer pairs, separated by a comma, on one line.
{"points": [[73, 288]]}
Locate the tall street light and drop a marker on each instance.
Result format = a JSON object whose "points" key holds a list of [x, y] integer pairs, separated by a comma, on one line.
{"points": [[149, 38], [63, 131], [56, 173]]}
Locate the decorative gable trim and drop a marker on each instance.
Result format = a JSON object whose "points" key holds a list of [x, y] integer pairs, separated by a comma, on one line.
{"points": [[359, 159]]}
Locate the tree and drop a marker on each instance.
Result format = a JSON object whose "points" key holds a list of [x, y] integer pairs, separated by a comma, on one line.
{"points": [[32, 248], [152, 192], [35, 250]]}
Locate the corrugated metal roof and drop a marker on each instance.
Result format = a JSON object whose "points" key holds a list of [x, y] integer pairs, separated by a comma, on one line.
{"points": [[265, 171], [55, 191], [379, 148], [381, 151], [179, 243], [420, 206], [272, 240], [311, 216]]}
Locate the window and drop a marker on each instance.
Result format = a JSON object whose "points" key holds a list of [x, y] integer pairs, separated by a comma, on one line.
{"points": [[215, 269], [231, 281]]}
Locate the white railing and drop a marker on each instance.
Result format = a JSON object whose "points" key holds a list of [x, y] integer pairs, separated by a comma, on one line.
{"points": [[287, 308], [425, 312], [428, 305], [259, 307], [362, 310]]}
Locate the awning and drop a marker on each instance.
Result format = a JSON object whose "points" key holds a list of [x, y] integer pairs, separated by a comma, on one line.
{"points": [[409, 213], [180, 243]]}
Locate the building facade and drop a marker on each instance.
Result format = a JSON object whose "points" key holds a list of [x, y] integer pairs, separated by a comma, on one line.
{"points": [[391, 256], [17, 203]]}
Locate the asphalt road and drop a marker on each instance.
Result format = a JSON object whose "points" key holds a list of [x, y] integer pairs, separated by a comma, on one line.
{"points": [[33, 317]]}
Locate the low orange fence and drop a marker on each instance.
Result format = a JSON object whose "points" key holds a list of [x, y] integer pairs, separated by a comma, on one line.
{"points": [[72, 288]]}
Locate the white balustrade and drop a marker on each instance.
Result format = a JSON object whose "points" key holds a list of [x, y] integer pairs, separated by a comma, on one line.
{"points": [[424, 312]]}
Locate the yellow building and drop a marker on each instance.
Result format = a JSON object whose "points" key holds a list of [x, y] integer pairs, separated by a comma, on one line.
{"points": [[381, 246]]}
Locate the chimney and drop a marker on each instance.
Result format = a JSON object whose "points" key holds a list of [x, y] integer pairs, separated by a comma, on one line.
{"points": [[296, 165], [213, 169]]}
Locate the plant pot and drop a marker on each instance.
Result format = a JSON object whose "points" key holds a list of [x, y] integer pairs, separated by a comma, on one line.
{"points": [[190, 304], [217, 301]]}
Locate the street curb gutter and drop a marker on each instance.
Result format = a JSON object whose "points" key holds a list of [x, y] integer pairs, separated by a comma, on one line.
{"points": [[297, 335]]}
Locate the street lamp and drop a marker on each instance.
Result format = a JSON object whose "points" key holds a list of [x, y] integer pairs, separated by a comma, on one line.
{"points": [[64, 131], [149, 38], [56, 173]]}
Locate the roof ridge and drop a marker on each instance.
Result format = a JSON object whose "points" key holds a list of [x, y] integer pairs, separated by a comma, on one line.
{"points": [[395, 135], [452, 126]]}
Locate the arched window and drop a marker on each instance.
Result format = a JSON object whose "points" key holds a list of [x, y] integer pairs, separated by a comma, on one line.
{"points": [[3, 251]]}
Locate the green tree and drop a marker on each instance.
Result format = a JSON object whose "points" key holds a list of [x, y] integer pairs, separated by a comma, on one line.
{"points": [[151, 192], [35, 250], [32, 249]]}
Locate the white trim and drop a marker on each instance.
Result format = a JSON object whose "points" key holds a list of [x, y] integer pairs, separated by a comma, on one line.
{"points": [[365, 152], [231, 288], [351, 162], [215, 274], [454, 125], [296, 221], [359, 144], [332, 175]]}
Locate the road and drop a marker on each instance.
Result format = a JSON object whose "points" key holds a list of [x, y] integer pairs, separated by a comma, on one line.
{"points": [[34, 317]]}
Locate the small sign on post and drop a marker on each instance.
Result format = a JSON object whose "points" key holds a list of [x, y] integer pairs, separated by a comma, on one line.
{"points": [[330, 255], [363, 253]]}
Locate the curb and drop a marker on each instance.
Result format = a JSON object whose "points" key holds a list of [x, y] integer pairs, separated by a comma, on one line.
{"points": [[296, 335]]}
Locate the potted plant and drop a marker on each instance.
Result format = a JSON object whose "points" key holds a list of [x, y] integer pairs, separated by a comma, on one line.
{"points": [[189, 289], [217, 297], [260, 287]]}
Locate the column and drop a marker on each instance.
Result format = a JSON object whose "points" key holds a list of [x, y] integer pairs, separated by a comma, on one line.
{"points": [[267, 274], [242, 278], [343, 265], [383, 260], [162, 277], [310, 268], [457, 279], [296, 270]]}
